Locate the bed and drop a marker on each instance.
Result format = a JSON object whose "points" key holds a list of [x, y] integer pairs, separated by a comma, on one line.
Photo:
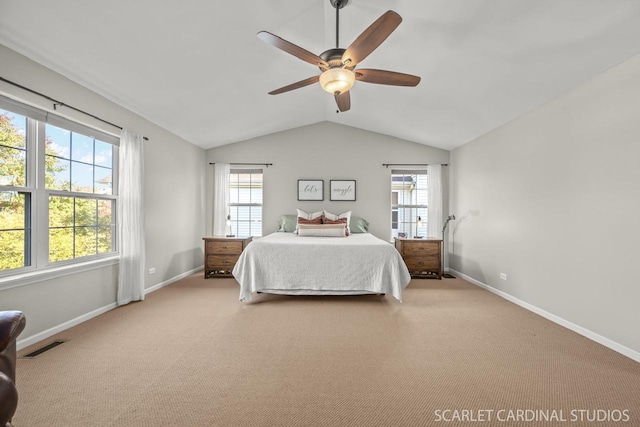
{"points": [[291, 264]]}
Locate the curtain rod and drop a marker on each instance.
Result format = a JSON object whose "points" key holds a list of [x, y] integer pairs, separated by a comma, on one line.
{"points": [[57, 104], [413, 164], [249, 164]]}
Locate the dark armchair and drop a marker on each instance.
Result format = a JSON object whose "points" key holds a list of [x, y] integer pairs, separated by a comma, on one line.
{"points": [[11, 325]]}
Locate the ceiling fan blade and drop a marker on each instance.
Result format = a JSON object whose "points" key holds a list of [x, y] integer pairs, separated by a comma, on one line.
{"points": [[371, 38], [296, 85], [383, 77], [292, 49], [344, 101]]}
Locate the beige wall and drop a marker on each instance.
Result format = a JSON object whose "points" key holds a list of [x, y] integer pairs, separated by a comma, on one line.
{"points": [[174, 198], [326, 151], [551, 199]]}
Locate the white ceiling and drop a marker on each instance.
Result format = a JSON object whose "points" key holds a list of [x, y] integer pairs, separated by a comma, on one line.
{"points": [[197, 69]]}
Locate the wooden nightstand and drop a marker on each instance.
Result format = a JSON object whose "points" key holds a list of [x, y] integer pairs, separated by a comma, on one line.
{"points": [[423, 257], [221, 255]]}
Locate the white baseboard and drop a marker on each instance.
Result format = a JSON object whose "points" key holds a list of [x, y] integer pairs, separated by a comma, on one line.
{"points": [[626, 351], [26, 342], [20, 344], [173, 279]]}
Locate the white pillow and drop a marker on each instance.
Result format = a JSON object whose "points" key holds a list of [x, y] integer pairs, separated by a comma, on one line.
{"points": [[305, 215], [334, 217], [321, 230]]}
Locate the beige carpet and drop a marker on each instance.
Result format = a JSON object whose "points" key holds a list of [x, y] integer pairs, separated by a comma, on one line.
{"points": [[191, 354]]}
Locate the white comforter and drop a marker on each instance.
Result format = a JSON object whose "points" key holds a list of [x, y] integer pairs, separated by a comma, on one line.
{"points": [[291, 264]]}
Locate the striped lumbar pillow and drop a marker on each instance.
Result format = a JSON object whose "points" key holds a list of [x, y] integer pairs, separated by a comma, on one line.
{"points": [[322, 230]]}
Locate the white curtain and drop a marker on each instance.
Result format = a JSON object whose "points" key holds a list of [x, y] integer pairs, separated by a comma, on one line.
{"points": [[434, 221], [131, 218], [220, 198]]}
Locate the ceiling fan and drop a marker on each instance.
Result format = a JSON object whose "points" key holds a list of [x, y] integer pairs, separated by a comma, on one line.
{"points": [[338, 65]]}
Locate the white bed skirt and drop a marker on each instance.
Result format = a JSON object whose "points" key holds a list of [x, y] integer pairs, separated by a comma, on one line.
{"points": [[285, 263]]}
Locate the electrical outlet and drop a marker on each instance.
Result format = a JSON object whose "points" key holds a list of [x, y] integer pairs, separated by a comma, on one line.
{"points": [[503, 276], [152, 270]]}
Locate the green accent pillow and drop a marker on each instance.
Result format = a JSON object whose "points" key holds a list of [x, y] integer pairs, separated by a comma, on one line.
{"points": [[358, 225], [288, 223]]}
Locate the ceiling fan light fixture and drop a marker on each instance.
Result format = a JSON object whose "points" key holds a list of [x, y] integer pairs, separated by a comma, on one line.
{"points": [[338, 65], [337, 80]]}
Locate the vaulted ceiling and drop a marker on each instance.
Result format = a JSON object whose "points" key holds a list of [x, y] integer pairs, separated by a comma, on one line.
{"points": [[197, 69]]}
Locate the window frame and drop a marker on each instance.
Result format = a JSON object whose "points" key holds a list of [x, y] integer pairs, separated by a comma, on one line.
{"points": [[413, 230], [236, 171], [37, 243]]}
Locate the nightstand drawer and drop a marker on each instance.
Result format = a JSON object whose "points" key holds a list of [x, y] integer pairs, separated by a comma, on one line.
{"points": [[221, 261], [421, 249], [230, 247], [422, 264]]}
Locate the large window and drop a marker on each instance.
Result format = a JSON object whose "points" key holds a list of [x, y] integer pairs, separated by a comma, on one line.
{"points": [[57, 198], [409, 198], [245, 202]]}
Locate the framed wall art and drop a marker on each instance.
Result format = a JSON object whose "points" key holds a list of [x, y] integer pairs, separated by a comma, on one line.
{"points": [[310, 189], [342, 190]]}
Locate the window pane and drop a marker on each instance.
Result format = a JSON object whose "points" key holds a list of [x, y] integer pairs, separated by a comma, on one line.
{"points": [[233, 188], [105, 207], [81, 177], [13, 129], [105, 240], [421, 222], [61, 211], [13, 249], [242, 229], [60, 244], [103, 182], [81, 148], [421, 193], [256, 221], [85, 211], [243, 195], [242, 213], [14, 230], [79, 227], [58, 141], [233, 213], [85, 241], [58, 174], [104, 154], [404, 221], [13, 164]]}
